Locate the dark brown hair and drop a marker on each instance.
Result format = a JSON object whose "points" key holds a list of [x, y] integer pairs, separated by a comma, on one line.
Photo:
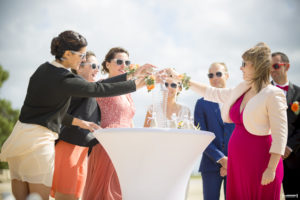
{"points": [[284, 57], [67, 40], [111, 55], [88, 54]]}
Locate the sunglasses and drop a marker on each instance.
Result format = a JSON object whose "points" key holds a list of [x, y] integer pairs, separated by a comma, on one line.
{"points": [[172, 85], [278, 65], [243, 64], [93, 65], [120, 62], [82, 55], [218, 74]]}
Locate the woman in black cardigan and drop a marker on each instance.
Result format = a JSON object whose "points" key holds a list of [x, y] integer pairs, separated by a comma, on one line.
{"points": [[29, 150]]}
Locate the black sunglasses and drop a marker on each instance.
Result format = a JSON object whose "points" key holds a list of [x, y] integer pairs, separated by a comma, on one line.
{"points": [[120, 62], [218, 74], [243, 64], [93, 65], [172, 85]]}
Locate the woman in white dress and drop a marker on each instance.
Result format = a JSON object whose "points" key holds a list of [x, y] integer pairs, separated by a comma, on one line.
{"points": [[182, 112]]}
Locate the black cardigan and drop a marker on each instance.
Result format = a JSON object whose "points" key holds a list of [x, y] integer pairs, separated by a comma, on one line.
{"points": [[49, 93], [86, 109]]}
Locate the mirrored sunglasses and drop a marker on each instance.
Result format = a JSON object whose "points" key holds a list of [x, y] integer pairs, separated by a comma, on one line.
{"points": [[218, 74]]}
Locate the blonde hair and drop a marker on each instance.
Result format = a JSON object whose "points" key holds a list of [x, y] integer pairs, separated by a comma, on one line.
{"points": [[220, 63], [260, 57]]}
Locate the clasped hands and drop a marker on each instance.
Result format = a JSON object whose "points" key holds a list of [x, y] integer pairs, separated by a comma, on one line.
{"points": [[146, 70]]}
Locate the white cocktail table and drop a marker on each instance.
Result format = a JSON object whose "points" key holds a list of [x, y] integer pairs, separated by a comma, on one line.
{"points": [[153, 163]]}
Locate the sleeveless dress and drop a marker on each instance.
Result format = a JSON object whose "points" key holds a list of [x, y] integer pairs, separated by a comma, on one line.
{"points": [[102, 181], [248, 157]]}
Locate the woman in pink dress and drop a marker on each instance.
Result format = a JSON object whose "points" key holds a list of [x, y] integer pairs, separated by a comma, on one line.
{"points": [[116, 112], [258, 109]]}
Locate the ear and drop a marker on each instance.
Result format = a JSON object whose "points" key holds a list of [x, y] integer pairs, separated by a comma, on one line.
{"points": [[107, 65], [67, 54], [287, 67], [226, 76]]}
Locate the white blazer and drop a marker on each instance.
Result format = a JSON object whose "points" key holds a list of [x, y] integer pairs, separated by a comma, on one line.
{"points": [[264, 114]]}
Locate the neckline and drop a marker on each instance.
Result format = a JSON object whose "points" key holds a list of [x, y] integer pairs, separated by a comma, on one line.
{"points": [[242, 96]]}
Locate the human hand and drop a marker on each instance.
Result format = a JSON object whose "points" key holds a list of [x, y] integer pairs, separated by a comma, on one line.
{"points": [[144, 70], [268, 176], [223, 161], [172, 73], [287, 153], [91, 126], [223, 171]]}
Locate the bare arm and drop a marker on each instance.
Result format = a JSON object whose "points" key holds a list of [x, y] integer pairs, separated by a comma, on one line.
{"points": [[197, 87]]}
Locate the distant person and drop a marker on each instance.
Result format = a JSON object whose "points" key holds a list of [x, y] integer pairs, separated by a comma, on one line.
{"points": [[29, 150], [213, 166], [291, 157]]}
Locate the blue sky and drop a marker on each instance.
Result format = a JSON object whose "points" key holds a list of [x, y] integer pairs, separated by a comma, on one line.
{"points": [[188, 35]]}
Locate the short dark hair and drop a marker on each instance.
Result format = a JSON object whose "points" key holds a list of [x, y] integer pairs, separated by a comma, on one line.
{"points": [[111, 55], [88, 54], [284, 57], [67, 40]]}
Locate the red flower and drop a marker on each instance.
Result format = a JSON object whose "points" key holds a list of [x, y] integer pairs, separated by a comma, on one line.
{"points": [[295, 107]]}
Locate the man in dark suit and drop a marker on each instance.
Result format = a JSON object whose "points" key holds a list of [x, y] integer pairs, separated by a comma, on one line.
{"points": [[291, 180], [213, 166]]}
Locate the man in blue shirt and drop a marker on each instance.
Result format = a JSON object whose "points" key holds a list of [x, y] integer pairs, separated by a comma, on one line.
{"points": [[213, 166]]}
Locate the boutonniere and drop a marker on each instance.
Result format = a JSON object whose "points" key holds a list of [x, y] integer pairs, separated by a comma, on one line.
{"points": [[295, 107]]}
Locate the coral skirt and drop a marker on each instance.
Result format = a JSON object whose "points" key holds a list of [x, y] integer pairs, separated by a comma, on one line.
{"points": [[70, 169]]}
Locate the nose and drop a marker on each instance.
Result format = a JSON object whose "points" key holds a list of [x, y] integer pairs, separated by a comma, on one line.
{"points": [[123, 65]]}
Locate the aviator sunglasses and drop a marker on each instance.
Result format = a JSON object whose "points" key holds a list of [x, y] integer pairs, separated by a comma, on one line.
{"points": [[172, 85], [120, 62], [218, 74], [93, 65], [278, 65]]}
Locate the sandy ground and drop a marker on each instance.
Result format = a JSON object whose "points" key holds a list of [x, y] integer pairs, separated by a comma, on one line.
{"points": [[194, 189]]}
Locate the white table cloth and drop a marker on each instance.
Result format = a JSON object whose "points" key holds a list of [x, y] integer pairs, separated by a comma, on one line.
{"points": [[153, 163]]}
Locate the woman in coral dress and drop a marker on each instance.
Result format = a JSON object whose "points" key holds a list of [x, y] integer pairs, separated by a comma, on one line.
{"points": [[117, 112]]}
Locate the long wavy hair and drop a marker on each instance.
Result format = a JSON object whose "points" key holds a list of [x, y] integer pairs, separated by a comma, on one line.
{"points": [[260, 57]]}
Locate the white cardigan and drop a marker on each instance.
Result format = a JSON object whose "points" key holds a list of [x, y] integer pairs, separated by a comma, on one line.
{"points": [[264, 114]]}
